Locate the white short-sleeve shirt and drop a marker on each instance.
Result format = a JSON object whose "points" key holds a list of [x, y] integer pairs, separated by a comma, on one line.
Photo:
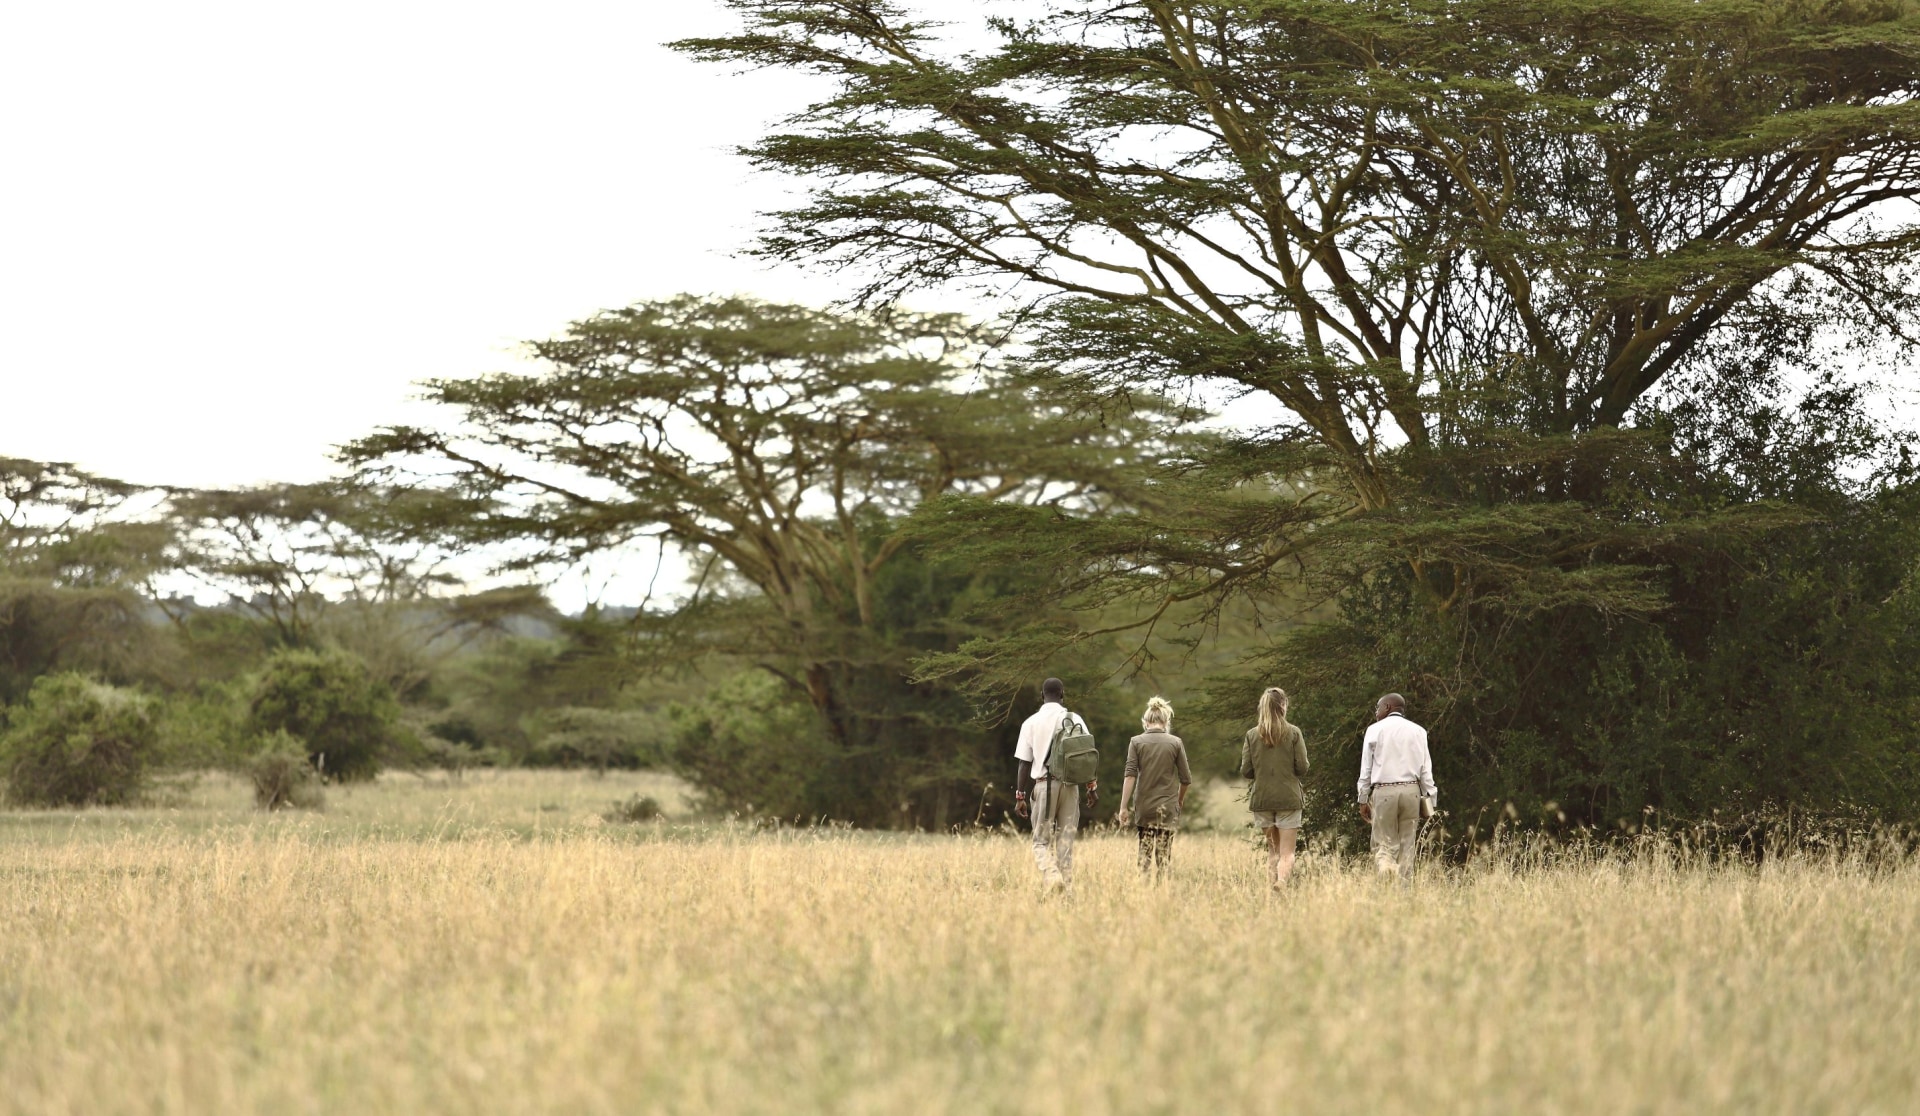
{"points": [[1036, 736]]}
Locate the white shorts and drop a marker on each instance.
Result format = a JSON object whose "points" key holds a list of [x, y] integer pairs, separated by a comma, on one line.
{"points": [[1268, 819]]}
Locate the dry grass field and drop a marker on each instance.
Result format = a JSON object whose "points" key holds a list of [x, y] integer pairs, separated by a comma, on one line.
{"points": [[494, 945]]}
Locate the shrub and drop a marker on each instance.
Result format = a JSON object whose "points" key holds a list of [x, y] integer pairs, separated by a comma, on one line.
{"points": [[638, 808], [76, 742], [457, 728], [204, 727], [348, 719], [456, 758], [576, 736], [282, 776], [754, 748]]}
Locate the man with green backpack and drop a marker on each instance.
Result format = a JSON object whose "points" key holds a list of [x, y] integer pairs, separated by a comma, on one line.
{"points": [[1056, 758]]}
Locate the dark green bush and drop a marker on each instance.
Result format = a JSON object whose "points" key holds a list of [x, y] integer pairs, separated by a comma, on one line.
{"points": [[348, 719], [282, 776], [753, 747], [457, 728], [77, 742]]}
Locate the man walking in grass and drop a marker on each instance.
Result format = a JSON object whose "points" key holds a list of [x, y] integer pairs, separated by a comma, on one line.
{"points": [[1396, 778], [1053, 806]]}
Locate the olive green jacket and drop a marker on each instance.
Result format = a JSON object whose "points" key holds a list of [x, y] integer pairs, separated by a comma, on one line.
{"points": [[1275, 771]]}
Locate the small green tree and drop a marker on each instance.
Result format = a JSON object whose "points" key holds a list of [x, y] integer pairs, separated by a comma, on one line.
{"points": [[77, 742], [753, 746], [348, 719], [283, 778]]}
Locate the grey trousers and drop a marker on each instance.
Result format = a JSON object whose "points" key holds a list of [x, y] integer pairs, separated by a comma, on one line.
{"points": [[1396, 828], [1056, 821]]}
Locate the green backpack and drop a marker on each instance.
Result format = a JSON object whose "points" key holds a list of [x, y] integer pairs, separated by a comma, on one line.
{"points": [[1072, 758]]}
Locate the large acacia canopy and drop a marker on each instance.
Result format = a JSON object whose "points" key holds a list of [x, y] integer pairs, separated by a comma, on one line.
{"points": [[1399, 218]]}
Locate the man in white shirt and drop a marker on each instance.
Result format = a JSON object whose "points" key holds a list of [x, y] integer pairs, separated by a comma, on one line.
{"points": [[1055, 808], [1396, 772]]}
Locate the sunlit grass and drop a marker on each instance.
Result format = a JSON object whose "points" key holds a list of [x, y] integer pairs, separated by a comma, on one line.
{"points": [[378, 958], [397, 805]]}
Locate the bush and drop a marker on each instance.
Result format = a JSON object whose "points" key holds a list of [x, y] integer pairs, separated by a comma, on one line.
{"points": [[638, 808], [456, 758], [348, 719], [204, 727], [282, 776], [575, 736], [76, 742], [754, 748]]}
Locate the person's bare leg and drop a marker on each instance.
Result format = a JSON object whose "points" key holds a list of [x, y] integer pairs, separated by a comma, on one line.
{"points": [[1283, 862], [1274, 878]]}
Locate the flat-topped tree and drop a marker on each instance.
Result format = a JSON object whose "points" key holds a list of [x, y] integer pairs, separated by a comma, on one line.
{"points": [[76, 553], [782, 449], [1381, 214]]}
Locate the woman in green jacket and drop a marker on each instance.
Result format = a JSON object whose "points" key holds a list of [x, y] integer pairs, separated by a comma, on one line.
{"points": [[1274, 756]]}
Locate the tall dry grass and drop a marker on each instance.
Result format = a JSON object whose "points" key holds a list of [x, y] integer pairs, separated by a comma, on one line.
{"points": [[276, 966]]}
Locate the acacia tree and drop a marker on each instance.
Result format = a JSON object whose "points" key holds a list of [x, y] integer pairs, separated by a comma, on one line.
{"points": [[72, 569], [1370, 210], [782, 449], [1480, 254], [340, 562], [283, 551]]}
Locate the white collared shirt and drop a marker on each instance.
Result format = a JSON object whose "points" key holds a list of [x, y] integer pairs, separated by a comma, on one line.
{"points": [[1395, 751], [1036, 736]]}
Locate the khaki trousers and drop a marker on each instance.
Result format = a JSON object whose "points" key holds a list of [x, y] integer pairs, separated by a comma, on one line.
{"points": [[1056, 821], [1396, 828]]}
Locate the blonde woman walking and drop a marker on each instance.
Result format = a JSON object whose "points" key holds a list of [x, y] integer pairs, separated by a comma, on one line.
{"points": [[1274, 756], [1156, 786]]}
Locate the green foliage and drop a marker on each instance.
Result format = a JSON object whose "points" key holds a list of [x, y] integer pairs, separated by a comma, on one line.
{"points": [[453, 744], [457, 759], [283, 777], [1370, 212], [481, 698], [1750, 649], [568, 700], [783, 448], [211, 646], [71, 575], [204, 726], [755, 747], [1524, 280], [288, 553], [77, 742], [46, 628], [348, 720], [574, 736]]}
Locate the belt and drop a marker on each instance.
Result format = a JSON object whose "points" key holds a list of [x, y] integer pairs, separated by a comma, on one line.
{"points": [[1041, 778], [1401, 783]]}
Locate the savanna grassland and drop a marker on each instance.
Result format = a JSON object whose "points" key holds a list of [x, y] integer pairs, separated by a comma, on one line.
{"points": [[494, 944]]}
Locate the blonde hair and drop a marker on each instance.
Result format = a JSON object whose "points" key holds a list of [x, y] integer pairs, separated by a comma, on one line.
{"points": [[1159, 714], [1273, 716]]}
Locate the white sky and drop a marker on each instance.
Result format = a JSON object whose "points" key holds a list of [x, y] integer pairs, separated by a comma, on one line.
{"points": [[232, 235], [235, 235]]}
